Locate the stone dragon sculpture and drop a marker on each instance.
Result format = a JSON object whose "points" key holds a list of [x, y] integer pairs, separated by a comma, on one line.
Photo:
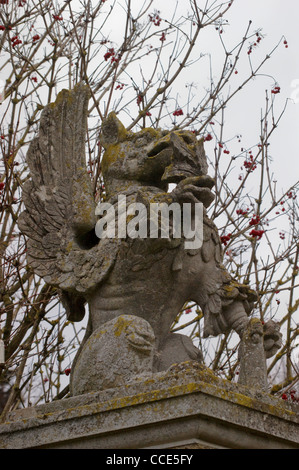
{"points": [[142, 277]]}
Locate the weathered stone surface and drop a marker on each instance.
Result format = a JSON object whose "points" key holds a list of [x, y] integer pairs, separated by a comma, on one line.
{"points": [[272, 338], [115, 354], [185, 406], [257, 340], [253, 368], [143, 277]]}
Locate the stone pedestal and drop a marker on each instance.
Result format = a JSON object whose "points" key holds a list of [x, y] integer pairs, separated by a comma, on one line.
{"points": [[187, 407]]}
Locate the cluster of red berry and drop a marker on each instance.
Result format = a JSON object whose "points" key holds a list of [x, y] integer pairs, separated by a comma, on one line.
{"points": [[208, 137], [155, 18], [15, 41], [291, 195], [111, 54], [225, 239], [57, 18], [249, 164], [258, 40], [275, 90], [242, 212], [291, 396], [255, 220], [178, 112], [256, 233], [282, 235]]}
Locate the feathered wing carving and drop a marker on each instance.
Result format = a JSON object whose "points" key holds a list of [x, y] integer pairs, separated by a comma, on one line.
{"points": [[59, 219]]}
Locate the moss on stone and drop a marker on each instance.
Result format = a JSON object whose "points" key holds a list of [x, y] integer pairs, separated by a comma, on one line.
{"points": [[120, 325]]}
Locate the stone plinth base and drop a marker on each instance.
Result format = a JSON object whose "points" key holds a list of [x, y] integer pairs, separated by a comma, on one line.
{"points": [[186, 407]]}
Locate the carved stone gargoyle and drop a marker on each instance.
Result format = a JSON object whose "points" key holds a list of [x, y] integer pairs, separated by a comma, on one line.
{"points": [[147, 278]]}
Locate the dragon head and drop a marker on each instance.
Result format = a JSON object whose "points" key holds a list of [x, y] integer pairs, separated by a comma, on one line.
{"points": [[150, 156]]}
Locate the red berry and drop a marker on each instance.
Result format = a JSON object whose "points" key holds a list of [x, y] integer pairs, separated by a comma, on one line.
{"points": [[257, 233], [178, 112]]}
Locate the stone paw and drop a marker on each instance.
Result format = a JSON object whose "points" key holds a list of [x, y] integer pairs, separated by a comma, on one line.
{"points": [[272, 338]]}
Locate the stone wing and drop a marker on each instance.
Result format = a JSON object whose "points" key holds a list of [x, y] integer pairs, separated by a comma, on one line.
{"points": [[59, 219]]}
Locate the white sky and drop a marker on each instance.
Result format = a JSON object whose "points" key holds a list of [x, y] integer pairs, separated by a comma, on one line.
{"points": [[277, 18]]}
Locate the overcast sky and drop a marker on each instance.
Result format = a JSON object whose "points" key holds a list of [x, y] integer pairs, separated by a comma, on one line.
{"points": [[277, 18]]}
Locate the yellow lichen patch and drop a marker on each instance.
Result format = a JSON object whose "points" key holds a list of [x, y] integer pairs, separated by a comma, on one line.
{"points": [[111, 155], [130, 217], [69, 247], [189, 136], [113, 131], [161, 197], [122, 132], [67, 96], [62, 97], [230, 291], [121, 325], [154, 133], [255, 321]]}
